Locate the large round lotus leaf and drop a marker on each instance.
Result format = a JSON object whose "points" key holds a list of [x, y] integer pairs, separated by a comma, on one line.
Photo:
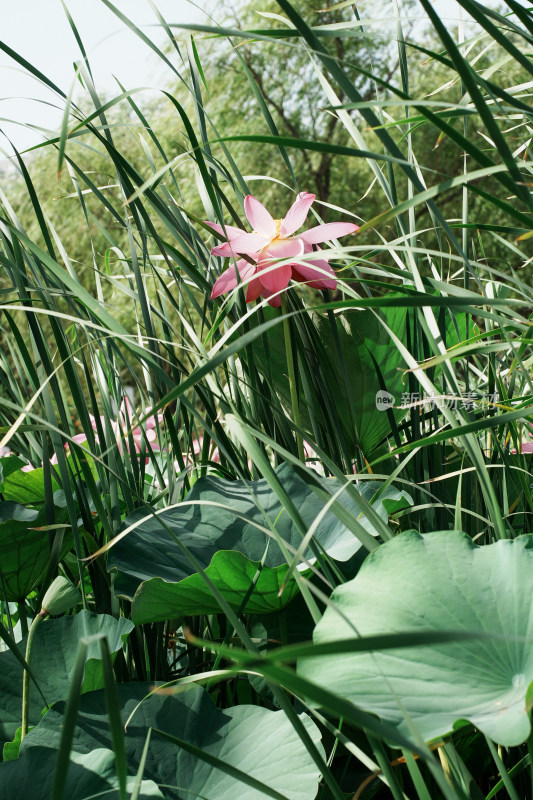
{"points": [[55, 647], [223, 536], [24, 552], [258, 742], [89, 775], [437, 582]]}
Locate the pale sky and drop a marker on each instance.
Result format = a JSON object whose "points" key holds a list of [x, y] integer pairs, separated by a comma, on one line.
{"points": [[39, 31]]}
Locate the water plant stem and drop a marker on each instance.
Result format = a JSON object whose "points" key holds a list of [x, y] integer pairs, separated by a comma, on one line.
{"points": [[26, 676], [530, 752], [292, 377], [23, 619]]}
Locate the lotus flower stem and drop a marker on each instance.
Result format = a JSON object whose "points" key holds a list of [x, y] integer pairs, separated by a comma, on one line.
{"points": [[292, 378], [26, 676], [60, 597]]}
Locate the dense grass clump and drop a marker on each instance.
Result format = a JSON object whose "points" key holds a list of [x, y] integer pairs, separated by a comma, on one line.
{"points": [[266, 512]]}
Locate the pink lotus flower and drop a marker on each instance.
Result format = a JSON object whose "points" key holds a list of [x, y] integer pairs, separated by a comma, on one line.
{"points": [[123, 426], [273, 240], [526, 448], [198, 446], [80, 437]]}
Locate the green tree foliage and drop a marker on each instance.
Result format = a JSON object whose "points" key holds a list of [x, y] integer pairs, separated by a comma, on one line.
{"points": [[370, 45], [288, 84], [237, 79]]}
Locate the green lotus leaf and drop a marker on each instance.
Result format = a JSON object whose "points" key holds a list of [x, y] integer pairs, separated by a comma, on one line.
{"points": [[55, 646], [24, 553], [260, 743], [9, 464], [26, 487], [293, 625], [220, 530], [24, 549], [12, 513], [88, 775], [365, 346], [437, 582], [349, 351], [157, 599]]}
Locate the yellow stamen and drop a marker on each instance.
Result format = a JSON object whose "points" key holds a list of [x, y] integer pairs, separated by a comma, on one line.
{"points": [[278, 227]]}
